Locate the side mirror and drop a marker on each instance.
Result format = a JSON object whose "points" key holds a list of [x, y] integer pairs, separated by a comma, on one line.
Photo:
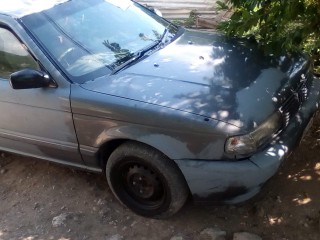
{"points": [[29, 78]]}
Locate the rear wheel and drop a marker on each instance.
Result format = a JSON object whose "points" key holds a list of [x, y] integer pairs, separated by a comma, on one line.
{"points": [[146, 181]]}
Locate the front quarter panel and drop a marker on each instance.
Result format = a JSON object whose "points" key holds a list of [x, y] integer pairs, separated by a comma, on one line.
{"points": [[100, 118]]}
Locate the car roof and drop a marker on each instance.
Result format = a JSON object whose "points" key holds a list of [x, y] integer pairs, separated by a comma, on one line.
{"points": [[20, 8]]}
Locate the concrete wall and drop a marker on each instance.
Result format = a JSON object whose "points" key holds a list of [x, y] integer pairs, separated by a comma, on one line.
{"points": [[179, 9]]}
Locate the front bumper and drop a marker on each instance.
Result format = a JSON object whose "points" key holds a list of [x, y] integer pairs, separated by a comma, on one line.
{"points": [[237, 181]]}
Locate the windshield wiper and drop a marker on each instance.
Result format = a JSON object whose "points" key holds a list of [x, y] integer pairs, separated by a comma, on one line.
{"points": [[140, 54], [137, 56]]}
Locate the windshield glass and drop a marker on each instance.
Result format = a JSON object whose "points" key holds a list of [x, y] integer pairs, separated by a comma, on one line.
{"points": [[93, 37]]}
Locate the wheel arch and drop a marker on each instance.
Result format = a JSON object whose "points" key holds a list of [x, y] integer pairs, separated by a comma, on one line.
{"points": [[106, 149]]}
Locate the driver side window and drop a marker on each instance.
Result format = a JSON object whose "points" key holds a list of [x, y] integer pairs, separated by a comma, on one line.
{"points": [[13, 55]]}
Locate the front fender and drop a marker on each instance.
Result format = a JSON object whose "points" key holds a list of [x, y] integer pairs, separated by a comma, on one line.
{"points": [[100, 118]]}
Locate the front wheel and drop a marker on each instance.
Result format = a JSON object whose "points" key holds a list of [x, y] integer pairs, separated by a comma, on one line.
{"points": [[146, 181]]}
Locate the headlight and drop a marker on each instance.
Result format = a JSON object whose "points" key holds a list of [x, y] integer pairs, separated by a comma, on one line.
{"points": [[249, 143]]}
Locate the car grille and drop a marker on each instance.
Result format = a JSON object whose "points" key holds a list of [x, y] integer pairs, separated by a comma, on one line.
{"points": [[298, 96]]}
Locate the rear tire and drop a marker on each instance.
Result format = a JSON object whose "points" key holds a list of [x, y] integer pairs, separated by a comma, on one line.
{"points": [[146, 181]]}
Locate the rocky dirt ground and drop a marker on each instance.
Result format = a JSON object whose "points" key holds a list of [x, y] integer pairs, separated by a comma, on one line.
{"points": [[40, 200]]}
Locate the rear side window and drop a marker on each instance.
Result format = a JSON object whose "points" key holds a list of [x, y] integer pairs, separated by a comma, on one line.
{"points": [[13, 55]]}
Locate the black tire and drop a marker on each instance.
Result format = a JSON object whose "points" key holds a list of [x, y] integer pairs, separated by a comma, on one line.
{"points": [[146, 181]]}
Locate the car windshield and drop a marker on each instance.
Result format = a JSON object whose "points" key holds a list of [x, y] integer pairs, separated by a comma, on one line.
{"points": [[94, 37]]}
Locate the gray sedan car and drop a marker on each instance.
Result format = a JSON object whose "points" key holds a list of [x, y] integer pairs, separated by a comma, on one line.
{"points": [[164, 112]]}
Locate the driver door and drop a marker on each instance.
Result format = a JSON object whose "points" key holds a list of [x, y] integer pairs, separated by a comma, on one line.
{"points": [[34, 122]]}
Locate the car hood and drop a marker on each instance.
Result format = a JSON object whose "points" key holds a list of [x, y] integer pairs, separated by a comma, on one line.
{"points": [[206, 74]]}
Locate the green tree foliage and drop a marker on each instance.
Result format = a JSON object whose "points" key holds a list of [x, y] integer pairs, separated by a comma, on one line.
{"points": [[278, 25]]}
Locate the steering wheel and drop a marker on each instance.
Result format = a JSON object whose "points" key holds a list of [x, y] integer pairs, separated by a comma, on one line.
{"points": [[68, 57]]}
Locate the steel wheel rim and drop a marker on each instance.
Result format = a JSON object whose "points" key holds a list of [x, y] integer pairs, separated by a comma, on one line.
{"points": [[142, 184]]}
